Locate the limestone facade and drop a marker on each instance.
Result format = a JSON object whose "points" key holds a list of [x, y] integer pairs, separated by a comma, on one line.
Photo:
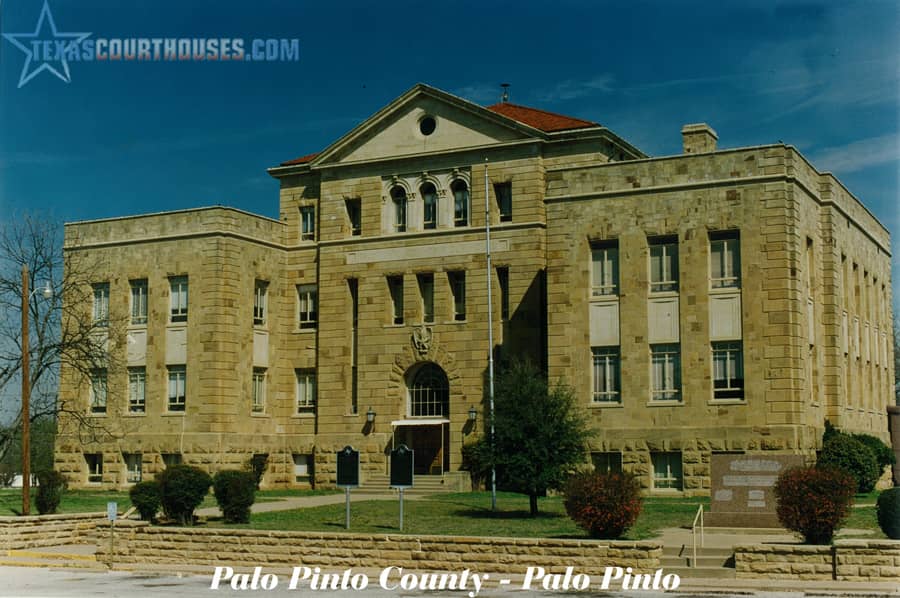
{"points": [[367, 300]]}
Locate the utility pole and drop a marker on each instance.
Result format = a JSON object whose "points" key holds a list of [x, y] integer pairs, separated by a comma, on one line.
{"points": [[490, 308]]}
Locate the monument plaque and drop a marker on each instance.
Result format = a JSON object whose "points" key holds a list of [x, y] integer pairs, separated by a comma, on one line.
{"points": [[348, 467], [743, 488], [402, 467]]}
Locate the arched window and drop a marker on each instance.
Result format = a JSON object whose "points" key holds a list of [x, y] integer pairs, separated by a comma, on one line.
{"points": [[460, 203], [398, 195], [429, 198], [429, 393]]}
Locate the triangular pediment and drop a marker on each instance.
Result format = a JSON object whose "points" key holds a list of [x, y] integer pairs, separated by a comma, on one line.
{"points": [[396, 131]]}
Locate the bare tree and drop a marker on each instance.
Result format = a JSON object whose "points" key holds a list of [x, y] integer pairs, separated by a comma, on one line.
{"points": [[62, 328]]}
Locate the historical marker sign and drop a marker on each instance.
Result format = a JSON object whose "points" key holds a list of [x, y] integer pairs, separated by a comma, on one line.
{"points": [[348, 467], [402, 467], [743, 488]]}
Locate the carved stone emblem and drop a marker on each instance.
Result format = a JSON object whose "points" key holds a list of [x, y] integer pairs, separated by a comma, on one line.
{"points": [[421, 339]]}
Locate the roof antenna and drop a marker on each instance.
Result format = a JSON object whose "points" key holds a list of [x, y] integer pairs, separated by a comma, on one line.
{"points": [[505, 97]]}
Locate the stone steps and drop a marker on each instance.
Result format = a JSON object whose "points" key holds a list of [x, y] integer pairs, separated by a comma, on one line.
{"points": [[716, 563], [701, 572], [422, 484]]}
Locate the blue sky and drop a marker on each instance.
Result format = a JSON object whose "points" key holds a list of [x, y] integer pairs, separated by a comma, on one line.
{"points": [[124, 138]]}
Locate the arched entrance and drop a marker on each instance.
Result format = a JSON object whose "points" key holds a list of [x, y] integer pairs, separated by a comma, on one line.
{"points": [[426, 428]]}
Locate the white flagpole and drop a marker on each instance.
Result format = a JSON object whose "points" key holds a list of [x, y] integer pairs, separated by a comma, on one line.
{"points": [[490, 307]]}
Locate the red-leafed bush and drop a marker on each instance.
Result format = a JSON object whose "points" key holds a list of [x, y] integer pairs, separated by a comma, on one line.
{"points": [[814, 501], [603, 504]]}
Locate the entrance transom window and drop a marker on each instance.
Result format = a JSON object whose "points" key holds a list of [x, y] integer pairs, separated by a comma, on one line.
{"points": [[429, 392]]}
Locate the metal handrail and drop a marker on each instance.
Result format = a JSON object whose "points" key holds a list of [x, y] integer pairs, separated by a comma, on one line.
{"points": [[698, 516]]}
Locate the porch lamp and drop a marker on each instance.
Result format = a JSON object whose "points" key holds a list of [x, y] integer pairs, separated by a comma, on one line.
{"points": [[473, 414], [370, 415], [46, 293]]}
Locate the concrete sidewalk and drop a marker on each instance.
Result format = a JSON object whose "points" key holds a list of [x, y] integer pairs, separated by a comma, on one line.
{"points": [[288, 503]]}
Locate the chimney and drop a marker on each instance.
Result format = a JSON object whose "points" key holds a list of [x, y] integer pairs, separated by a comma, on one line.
{"points": [[698, 138]]}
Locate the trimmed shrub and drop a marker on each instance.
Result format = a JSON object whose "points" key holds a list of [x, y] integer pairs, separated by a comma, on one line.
{"points": [[257, 465], [603, 504], [830, 432], [51, 485], [146, 498], [884, 455], [845, 452], [182, 489], [814, 501], [889, 512], [235, 492]]}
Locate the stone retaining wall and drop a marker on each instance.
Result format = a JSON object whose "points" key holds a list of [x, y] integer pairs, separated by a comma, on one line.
{"points": [[17, 533], [141, 543], [847, 560]]}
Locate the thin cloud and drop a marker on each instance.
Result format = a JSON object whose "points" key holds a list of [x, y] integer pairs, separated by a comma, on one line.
{"points": [[480, 93], [572, 89], [859, 155]]}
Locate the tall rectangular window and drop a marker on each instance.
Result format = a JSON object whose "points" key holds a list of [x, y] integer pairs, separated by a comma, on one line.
{"points": [[503, 280], [609, 462], [307, 300], [728, 370], [94, 463], [663, 265], [503, 192], [460, 202], [306, 390], [426, 291], [605, 269], [430, 206], [99, 390], [178, 298], [354, 215], [101, 304], [260, 300], [607, 388], [725, 260], [667, 471], [308, 223], [395, 288], [133, 467], [458, 290], [666, 370], [171, 459], [258, 400], [398, 197], [137, 390], [177, 387], [139, 302]]}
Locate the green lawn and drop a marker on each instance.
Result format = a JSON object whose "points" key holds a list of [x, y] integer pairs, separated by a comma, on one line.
{"points": [[469, 514]]}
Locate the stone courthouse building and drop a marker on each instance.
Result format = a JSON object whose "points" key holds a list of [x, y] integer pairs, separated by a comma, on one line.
{"points": [[719, 300]]}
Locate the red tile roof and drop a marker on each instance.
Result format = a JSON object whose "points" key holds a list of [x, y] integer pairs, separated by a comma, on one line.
{"points": [[540, 119], [300, 160]]}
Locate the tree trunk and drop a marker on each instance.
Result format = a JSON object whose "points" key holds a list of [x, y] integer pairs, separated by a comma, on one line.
{"points": [[532, 503]]}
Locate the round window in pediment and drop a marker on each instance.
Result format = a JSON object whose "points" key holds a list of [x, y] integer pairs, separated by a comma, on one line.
{"points": [[427, 125]]}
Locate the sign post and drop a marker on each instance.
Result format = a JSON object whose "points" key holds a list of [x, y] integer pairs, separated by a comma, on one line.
{"points": [[402, 472], [112, 511], [347, 475]]}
